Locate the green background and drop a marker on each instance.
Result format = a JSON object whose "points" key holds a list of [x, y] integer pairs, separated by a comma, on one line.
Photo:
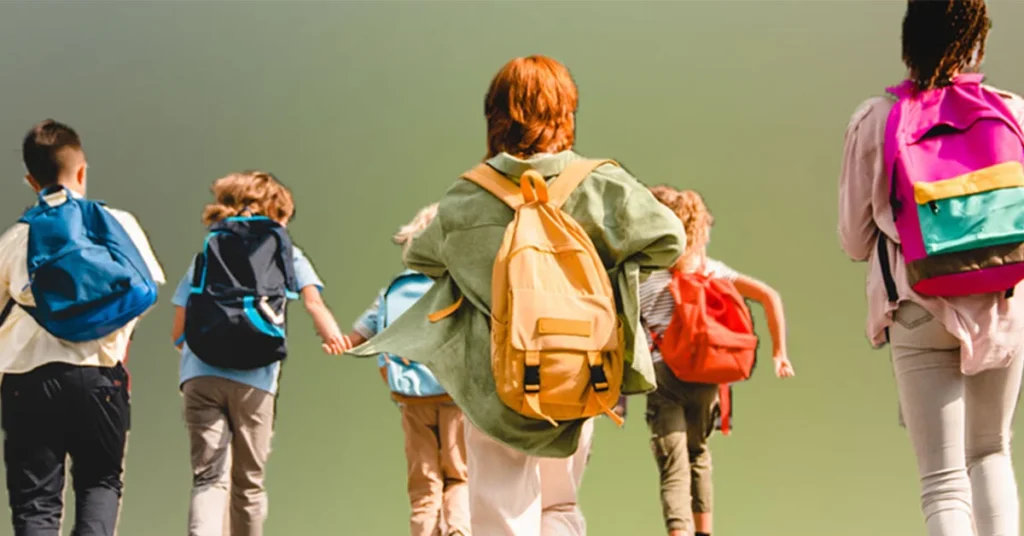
{"points": [[369, 110]]}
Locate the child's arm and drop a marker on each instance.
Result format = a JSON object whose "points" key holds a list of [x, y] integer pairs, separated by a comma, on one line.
{"points": [[178, 330], [354, 339], [367, 325], [772, 303], [323, 321]]}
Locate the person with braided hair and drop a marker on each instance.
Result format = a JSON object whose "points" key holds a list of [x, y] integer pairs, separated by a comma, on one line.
{"points": [[956, 352]]}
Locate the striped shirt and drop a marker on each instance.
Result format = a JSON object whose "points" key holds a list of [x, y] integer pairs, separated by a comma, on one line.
{"points": [[657, 304]]}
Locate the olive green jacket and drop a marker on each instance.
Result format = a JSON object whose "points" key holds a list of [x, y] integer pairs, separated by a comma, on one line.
{"points": [[634, 234]]}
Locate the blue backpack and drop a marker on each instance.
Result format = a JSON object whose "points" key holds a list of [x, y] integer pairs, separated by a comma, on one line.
{"points": [[86, 274], [406, 378], [241, 285]]}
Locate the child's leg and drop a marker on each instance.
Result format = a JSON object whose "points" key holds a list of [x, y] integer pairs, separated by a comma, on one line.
{"points": [[97, 448], [251, 412], [667, 423], [34, 452], [451, 425], [560, 480], [209, 436], [422, 453], [504, 487], [700, 419]]}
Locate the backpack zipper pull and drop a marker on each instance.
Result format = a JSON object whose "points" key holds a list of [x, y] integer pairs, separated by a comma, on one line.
{"points": [[934, 206]]}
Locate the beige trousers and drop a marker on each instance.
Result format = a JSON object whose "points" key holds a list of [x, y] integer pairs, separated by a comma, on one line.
{"points": [[513, 494], [960, 427], [435, 449], [229, 426]]}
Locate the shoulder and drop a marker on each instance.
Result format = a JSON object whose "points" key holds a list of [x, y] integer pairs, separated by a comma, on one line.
{"points": [[1008, 95], [614, 178], [1013, 101], [717, 268], [14, 234], [14, 242], [874, 110], [126, 219]]}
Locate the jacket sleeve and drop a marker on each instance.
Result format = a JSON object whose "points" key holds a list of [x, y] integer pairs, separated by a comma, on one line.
{"points": [[857, 229], [648, 233], [6, 244], [424, 252]]}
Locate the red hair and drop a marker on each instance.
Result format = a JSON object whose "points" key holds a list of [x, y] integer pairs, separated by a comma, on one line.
{"points": [[531, 108]]}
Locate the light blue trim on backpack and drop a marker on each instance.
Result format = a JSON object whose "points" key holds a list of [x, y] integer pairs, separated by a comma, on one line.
{"points": [[206, 249], [289, 294], [406, 378], [257, 320]]}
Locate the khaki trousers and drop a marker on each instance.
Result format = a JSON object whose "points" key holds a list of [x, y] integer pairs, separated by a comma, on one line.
{"points": [[229, 426], [435, 449]]}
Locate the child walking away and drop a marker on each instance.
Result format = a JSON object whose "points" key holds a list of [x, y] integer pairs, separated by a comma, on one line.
{"points": [[75, 276], [530, 344], [702, 340], [229, 324], [932, 197], [435, 445]]}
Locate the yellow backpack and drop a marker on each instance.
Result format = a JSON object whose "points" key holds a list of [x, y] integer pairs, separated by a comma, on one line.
{"points": [[556, 339]]}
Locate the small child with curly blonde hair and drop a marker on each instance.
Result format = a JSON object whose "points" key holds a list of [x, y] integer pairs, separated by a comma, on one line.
{"points": [[683, 415], [435, 445], [229, 324]]}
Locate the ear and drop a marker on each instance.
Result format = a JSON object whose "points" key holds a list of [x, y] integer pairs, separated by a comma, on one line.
{"points": [[33, 183], [80, 175]]}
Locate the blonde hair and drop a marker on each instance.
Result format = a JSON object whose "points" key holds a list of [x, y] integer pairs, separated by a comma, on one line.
{"points": [[690, 208], [256, 193], [409, 231]]}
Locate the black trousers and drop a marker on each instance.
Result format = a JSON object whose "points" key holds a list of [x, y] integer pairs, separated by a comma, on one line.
{"points": [[58, 411]]}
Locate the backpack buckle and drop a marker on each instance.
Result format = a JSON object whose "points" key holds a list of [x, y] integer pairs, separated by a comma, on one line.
{"points": [[598, 378], [531, 379]]}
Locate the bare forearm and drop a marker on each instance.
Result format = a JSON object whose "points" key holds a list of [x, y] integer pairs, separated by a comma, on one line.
{"points": [[323, 319], [776, 322]]}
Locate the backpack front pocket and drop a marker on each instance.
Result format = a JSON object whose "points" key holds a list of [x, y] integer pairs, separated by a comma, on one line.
{"points": [[544, 321], [972, 211]]}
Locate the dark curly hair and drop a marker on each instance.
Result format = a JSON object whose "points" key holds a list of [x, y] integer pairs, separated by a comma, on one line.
{"points": [[940, 37]]}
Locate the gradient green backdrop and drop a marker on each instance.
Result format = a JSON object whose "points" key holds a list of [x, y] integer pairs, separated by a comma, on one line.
{"points": [[369, 110]]}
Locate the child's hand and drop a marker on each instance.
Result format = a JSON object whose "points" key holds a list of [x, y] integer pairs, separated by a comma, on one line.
{"points": [[335, 344], [783, 368], [620, 408]]}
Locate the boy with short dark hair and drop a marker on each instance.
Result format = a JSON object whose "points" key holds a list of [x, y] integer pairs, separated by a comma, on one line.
{"points": [[68, 395]]}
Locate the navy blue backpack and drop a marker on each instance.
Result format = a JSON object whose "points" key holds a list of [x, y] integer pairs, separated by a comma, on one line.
{"points": [[242, 281], [87, 277]]}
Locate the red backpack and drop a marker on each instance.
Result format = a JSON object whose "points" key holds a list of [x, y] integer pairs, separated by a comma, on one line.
{"points": [[710, 338]]}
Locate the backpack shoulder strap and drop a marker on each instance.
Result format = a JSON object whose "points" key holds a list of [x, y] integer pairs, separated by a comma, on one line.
{"points": [[489, 179], [8, 307], [571, 177]]}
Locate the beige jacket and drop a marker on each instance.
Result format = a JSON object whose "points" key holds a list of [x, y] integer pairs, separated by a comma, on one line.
{"points": [[990, 327]]}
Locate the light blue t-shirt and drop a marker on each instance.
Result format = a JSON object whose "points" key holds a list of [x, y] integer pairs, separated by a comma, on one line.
{"points": [[264, 378]]}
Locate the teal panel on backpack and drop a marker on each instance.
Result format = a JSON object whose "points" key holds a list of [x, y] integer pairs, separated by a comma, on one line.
{"points": [[973, 221]]}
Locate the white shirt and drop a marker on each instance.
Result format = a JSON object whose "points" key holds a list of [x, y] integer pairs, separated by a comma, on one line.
{"points": [[24, 345]]}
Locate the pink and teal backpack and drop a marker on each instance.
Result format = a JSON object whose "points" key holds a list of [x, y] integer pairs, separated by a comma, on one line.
{"points": [[955, 156]]}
